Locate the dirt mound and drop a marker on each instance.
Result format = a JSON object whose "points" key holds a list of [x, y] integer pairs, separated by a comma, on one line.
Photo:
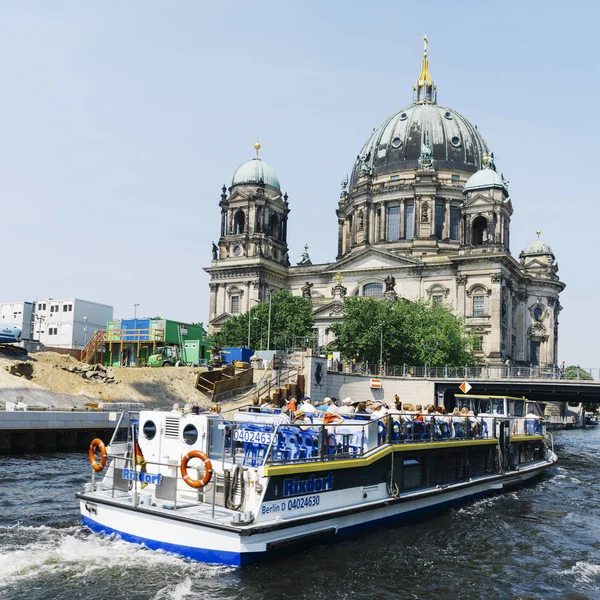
{"points": [[50, 379]]}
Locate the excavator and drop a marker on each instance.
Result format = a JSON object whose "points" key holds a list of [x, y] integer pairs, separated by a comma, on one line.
{"points": [[9, 337]]}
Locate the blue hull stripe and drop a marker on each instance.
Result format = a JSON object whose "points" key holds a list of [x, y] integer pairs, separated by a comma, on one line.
{"points": [[222, 557]]}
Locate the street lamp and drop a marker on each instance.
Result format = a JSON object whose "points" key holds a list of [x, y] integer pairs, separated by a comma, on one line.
{"points": [[381, 350], [40, 318], [85, 320], [270, 294], [135, 311], [250, 319]]}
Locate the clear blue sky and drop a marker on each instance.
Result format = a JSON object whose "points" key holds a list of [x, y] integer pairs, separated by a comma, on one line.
{"points": [[122, 120]]}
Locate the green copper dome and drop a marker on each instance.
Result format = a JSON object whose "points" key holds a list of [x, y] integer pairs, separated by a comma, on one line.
{"points": [[255, 171]]}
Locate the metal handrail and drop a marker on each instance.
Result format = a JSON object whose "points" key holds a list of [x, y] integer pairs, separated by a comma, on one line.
{"points": [[589, 375]]}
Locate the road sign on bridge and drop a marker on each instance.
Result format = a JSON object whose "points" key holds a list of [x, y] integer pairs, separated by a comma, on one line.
{"points": [[465, 387]]}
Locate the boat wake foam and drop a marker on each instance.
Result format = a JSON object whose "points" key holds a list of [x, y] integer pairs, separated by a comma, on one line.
{"points": [[584, 572], [29, 553]]}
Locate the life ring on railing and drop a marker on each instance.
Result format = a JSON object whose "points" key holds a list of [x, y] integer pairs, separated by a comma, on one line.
{"points": [[196, 483], [97, 444]]}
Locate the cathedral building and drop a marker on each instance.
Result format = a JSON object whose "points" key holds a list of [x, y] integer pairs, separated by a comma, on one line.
{"points": [[425, 214]]}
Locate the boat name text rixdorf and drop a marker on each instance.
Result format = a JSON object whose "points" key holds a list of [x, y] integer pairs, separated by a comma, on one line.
{"points": [[132, 475], [296, 487]]}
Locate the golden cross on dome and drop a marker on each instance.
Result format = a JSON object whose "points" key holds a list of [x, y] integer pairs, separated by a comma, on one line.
{"points": [[257, 147], [425, 42], [538, 233]]}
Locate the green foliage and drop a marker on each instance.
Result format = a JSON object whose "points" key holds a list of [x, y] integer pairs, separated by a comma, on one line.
{"points": [[414, 333], [291, 316], [574, 372]]}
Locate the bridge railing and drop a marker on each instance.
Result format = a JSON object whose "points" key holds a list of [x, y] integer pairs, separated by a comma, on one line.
{"points": [[468, 373]]}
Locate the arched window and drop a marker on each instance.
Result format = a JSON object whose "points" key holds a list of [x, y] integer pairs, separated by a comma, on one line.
{"points": [[479, 228], [478, 305], [373, 289], [274, 226], [239, 222]]}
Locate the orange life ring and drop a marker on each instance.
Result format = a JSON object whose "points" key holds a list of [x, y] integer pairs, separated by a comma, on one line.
{"points": [[97, 444], [195, 483]]}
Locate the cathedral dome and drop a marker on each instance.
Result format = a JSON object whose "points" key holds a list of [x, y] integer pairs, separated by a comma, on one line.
{"points": [[538, 248], [255, 171], [485, 178], [398, 144]]}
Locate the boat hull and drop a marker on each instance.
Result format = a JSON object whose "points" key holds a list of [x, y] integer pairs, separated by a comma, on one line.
{"points": [[241, 545]]}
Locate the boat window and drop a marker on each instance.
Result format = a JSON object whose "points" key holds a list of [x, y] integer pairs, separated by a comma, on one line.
{"points": [[465, 403], [411, 474], [190, 434], [149, 430], [499, 406], [516, 408], [485, 405]]}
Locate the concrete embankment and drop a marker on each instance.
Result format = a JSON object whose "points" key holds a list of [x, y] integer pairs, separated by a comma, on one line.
{"points": [[54, 431]]}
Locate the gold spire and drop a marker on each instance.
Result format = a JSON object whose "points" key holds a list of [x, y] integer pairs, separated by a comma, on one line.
{"points": [[538, 233], [425, 90], [257, 147], [425, 77]]}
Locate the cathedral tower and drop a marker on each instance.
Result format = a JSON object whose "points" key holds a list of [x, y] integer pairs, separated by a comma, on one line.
{"points": [[251, 257]]}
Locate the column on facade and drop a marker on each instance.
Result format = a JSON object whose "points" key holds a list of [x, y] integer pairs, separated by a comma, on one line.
{"points": [[384, 219], [446, 228], [402, 217], [367, 223], [214, 290], [223, 222], [340, 237]]}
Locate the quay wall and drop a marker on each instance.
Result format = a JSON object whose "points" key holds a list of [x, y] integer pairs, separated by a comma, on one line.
{"points": [[23, 432], [320, 382]]}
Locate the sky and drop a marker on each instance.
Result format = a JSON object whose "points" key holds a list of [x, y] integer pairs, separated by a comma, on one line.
{"points": [[121, 121]]}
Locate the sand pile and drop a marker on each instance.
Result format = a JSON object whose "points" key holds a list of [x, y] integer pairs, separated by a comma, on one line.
{"points": [[45, 379]]}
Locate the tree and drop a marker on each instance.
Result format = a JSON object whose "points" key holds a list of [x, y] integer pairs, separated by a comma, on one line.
{"points": [[414, 333], [291, 318]]}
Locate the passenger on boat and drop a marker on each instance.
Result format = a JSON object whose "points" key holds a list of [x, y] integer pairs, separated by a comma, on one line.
{"points": [[324, 405], [333, 407], [283, 418], [255, 405], [347, 408], [361, 412], [379, 411], [216, 409], [419, 412], [397, 402], [175, 408], [307, 406], [292, 404]]}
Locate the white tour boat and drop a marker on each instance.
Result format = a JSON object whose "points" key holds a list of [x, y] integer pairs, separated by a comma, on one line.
{"points": [[235, 488]]}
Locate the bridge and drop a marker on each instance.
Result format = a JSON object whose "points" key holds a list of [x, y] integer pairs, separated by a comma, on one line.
{"points": [[544, 384]]}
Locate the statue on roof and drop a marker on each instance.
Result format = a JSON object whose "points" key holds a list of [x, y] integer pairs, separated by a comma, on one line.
{"points": [[215, 251], [304, 257]]}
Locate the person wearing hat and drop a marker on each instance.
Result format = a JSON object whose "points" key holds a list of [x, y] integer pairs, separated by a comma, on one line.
{"points": [[347, 408], [379, 411], [324, 405], [307, 406]]}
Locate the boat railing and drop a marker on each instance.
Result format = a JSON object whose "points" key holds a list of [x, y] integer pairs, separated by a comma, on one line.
{"points": [[256, 439], [121, 476]]}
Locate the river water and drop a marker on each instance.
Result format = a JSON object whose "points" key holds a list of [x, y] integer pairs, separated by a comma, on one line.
{"points": [[541, 541]]}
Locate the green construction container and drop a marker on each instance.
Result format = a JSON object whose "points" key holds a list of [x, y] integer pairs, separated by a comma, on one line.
{"points": [[113, 326], [189, 332]]}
